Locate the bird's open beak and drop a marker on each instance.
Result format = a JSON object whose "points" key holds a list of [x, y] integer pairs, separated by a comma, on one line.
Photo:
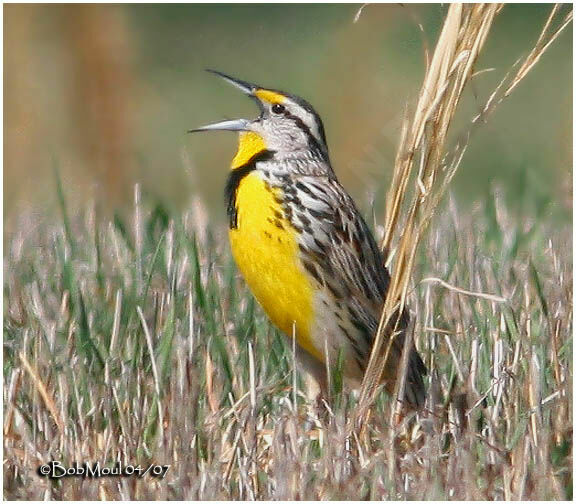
{"points": [[243, 86], [234, 124]]}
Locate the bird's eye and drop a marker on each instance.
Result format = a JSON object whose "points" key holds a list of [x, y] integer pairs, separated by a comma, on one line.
{"points": [[278, 109]]}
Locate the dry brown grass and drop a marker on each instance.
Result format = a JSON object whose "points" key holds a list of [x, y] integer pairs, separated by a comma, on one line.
{"points": [[423, 158], [170, 362]]}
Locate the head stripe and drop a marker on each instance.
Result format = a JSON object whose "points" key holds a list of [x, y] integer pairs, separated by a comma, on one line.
{"points": [[269, 96]]}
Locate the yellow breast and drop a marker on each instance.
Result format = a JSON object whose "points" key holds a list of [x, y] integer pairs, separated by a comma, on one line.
{"points": [[266, 251]]}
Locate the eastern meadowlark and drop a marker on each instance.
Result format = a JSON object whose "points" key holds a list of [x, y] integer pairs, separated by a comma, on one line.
{"points": [[301, 244]]}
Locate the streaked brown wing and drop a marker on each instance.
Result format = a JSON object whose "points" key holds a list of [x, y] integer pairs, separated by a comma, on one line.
{"points": [[341, 253]]}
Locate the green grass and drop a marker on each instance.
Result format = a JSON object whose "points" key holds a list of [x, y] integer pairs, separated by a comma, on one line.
{"points": [[134, 339]]}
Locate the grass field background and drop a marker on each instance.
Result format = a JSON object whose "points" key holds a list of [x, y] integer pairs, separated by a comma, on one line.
{"points": [[136, 341], [128, 334]]}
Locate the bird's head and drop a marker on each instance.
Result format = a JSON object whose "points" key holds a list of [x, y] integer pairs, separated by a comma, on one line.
{"points": [[287, 125]]}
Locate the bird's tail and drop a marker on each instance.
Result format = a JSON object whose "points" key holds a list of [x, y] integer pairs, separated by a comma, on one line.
{"points": [[414, 390], [414, 393]]}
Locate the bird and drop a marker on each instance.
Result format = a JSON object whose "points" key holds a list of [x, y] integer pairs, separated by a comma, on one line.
{"points": [[303, 247]]}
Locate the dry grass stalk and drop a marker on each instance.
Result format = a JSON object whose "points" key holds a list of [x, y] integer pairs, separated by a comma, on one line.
{"points": [[421, 155], [43, 391], [546, 38], [423, 139]]}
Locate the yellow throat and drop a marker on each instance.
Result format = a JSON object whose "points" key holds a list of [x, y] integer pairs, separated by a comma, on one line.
{"points": [[265, 247]]}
